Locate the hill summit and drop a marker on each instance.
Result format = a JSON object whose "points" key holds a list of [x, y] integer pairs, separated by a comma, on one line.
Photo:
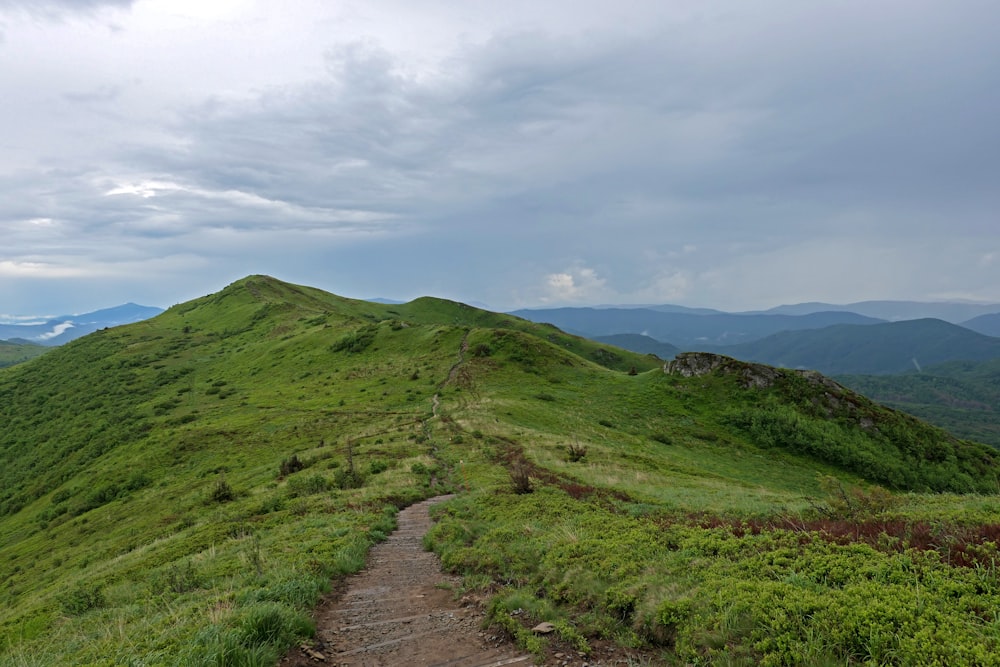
{"points": [[195, 481]]}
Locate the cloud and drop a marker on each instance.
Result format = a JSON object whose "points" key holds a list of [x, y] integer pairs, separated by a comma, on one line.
{"points": [[55, 8], [57, 330], [101, 94], [714, 153], [44, 270], [577, 285]]}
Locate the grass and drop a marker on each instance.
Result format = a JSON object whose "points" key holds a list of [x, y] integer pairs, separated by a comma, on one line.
{"points": [[16, 353], [152, 515]]}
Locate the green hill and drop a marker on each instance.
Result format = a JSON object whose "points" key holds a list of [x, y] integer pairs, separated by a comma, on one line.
{"points": [[961, 396], [988, 325], [12, 352], [875, 349], [182, 490]]}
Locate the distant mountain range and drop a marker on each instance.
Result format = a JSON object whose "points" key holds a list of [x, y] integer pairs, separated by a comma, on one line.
{"points": [[871, 337], [890, 347], [893, 311], [59, 330], [685, 329], [988, 325], [640, 343]]}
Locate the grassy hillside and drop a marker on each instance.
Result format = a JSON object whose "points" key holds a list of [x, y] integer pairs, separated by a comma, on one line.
{"points": [[894, 347], [180, 491], [14, 353], [962, 396]]}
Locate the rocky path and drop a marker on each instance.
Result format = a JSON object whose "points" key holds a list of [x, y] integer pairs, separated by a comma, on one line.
{"points": [[401, 610]]}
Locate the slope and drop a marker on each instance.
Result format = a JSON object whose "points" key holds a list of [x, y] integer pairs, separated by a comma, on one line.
{"points": [[961, 396], [988, 325], [12, 352], [893, 347], [182, 490]]}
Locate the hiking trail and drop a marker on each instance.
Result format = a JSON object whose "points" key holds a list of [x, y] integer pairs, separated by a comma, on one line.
{"points": [[401, 610]]}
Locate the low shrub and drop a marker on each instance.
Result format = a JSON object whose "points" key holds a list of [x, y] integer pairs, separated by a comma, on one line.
{"points": [[82, 599]]}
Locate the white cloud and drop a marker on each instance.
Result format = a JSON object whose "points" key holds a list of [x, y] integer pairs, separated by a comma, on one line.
{"points": [[576, 285], [57, 330], [43, 270]]}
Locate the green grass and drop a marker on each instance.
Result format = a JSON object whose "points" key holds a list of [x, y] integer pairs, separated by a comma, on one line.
{"points": [[15, 353], [146, 519]]}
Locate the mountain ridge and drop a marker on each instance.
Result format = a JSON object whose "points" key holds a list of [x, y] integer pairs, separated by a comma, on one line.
{"points": [[200, 477], [892, 347], [684, 329], [58, 330]]}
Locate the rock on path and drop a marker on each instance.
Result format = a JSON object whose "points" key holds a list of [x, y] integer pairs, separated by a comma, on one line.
{"points": [[400, 610]]}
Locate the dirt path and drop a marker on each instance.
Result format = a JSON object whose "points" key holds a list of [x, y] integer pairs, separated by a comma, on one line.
{"points": [[401, 610]]}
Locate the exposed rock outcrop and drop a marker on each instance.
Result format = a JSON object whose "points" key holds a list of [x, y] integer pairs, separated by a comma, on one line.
{"points": [[695, 364], [832, 398]]}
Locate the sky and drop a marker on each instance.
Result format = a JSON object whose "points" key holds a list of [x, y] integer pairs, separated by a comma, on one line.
{"points": [[719, 153]]}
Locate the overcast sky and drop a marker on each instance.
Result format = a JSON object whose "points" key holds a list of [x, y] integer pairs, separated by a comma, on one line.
{"points": [[729, 154]]}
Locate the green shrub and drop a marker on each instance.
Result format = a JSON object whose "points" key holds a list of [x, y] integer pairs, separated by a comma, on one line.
{"points": [[222, 492], [520, 478], [290, 465], [349, 479], [82, 599], [356, 341], [308, 486]]}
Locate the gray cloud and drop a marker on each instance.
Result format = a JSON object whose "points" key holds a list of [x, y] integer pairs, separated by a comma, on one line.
{"points": [[730, 156], [51, 8]]}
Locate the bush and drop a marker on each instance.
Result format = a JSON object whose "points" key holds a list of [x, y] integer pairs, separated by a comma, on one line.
{"points": [[481, 350], [308, 486], [349, 479], [290, 465], [520, 478], [853, 502], [356, 341], [223, 493], [82, 599]]}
